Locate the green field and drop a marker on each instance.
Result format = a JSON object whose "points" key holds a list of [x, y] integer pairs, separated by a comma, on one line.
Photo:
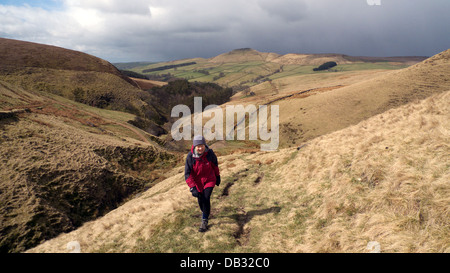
{"points": [[249, 73]]}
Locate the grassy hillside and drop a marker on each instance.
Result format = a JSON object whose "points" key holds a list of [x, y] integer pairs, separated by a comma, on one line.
{"points": [[317, 104], [352, 173], [267, 78], [68, 156], [384, 179], [64, 163], [242, 68], [16, 55], [73, 75]]}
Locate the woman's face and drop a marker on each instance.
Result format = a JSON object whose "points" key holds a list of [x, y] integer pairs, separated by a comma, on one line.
{"points": [[200, 149]]}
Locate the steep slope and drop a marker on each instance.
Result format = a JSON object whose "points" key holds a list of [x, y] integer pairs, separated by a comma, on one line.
{"points": [[65, 163], [74, 75], [147, 84], [314, 105], [384, 179], [17, 54]]}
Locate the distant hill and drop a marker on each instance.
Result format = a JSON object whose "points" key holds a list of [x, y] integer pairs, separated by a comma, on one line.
{"points": [[246, 67], [243, 55], [71, 74], [312, 59], [83, 78], [125, 66], [251, 55], [17, 54], [317, 104], [264, 78]]}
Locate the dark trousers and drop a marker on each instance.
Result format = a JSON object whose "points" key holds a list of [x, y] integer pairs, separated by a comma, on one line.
{"points": [[204, 202]]}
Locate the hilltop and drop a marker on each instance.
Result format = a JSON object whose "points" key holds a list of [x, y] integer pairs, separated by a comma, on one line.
{"points": [[17, 55], [243, 55]]}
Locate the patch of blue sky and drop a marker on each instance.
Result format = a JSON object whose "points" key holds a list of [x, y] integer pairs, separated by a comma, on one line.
{"points": [[44, 4]]}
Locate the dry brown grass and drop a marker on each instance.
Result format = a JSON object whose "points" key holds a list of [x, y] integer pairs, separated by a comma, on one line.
{"points": [[352, 96], [64, 163], [119, 230], [243, 55], [311, 59], [147, 84], [384, 179], [16, 55]]}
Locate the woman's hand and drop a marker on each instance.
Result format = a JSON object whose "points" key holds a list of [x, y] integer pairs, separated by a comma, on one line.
{"points": [[194, 191], [218, 180]]}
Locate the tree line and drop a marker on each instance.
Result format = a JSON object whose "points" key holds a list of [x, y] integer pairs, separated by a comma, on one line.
{"points": [[165, 67], [325, 66]]}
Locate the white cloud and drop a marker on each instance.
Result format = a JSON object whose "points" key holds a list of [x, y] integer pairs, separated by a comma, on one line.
{"points": [[111, 6], [30, 23], [86, 18]]}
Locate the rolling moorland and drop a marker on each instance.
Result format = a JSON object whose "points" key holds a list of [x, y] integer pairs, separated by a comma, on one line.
{"points": [[64, 162], [242, 68], [363, 157]]}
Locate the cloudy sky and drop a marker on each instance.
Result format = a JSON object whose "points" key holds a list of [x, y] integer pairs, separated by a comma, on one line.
{"points": [[161, 30]]}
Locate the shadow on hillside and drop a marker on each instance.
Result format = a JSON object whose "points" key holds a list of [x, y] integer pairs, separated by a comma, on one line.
{"points": [[244, 217], [7, 120], [247, 216]]}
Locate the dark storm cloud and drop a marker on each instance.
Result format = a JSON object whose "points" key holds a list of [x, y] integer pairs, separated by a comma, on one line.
{"points": [[157, 30], [289, 10]]}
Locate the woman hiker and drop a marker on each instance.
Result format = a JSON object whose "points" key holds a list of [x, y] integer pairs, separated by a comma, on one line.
{"points": [[201, 173]]}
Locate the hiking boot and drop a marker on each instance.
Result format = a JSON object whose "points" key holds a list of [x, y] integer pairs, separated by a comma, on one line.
{"points": [[203, 226]]}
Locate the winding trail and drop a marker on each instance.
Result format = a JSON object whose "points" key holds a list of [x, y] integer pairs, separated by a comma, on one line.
{"points": [[49, 101]]}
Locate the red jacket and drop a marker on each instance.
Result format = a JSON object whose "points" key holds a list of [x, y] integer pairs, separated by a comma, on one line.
{"points": [[201, 172]]}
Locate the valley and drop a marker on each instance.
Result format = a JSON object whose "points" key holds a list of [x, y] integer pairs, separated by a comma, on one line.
{"points": [[89, 157]]}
